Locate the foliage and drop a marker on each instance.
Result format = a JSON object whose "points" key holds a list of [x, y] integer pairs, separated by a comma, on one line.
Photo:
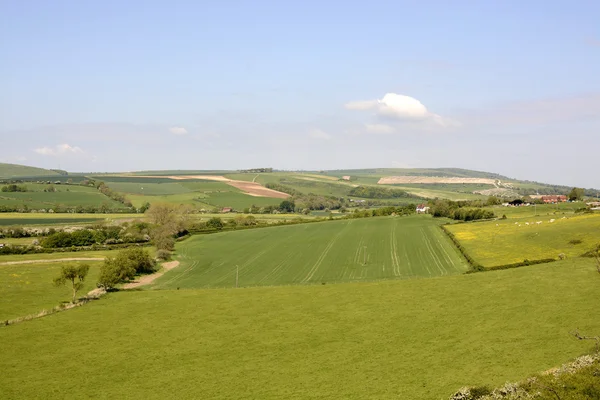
{"points": [[287, 206], [576, 194], [374, 192], [124, 266], [12, 188], [458, 210], [73, 274]]}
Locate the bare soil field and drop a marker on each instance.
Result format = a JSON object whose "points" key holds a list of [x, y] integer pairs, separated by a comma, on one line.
{"points": [[394, 180], [251, 188], [256, 189]]}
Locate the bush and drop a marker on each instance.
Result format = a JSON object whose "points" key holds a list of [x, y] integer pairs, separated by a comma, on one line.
{"points": [[124, 266], [163, 255]]}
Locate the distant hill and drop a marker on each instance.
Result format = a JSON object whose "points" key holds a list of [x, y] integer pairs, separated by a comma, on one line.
{"points": [[440, 172], [10, 171]]}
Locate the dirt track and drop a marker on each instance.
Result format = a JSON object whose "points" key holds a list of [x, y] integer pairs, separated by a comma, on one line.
{"points": [[51, 260], [147, 279]]}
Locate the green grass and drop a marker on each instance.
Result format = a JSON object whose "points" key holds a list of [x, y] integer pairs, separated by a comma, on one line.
{"points": [[48, 219], [406, 339], [148, 188], [27, 289], [65, 195], [18, 171], [348, 250], [65, 254], [540, 210], [57, 220], [510, 241]]}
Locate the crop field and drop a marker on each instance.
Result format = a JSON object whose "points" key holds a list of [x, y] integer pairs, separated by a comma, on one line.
{"points": [[148, 188], [18, 171], [347, 250], [56, 220], [64, 195], [510, 241], [27, 288], [397, 339], [9, 258]]}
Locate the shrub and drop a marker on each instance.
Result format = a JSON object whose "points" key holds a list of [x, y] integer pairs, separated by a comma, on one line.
{"points": [[163, 255], [124, 266]]}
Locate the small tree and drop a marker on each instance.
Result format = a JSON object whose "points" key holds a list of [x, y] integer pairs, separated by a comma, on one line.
{"points": [[124, 266], [74, 274], [576, 194]]}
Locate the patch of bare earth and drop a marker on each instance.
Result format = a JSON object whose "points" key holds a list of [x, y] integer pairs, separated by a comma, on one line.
{"points": [[148, 279], [391, 180], [256, 189], [52, 260], [251, 188]]}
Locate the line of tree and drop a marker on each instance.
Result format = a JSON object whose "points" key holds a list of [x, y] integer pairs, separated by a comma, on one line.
{"points": [[256, 170], [374, 192], [459, 210], [12, 188], [134, 233]]}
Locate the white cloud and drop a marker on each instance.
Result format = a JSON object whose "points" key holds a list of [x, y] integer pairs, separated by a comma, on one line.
{"points": [[319, 134], [401, 108], [177, 130], [379, 128], [59, 150]]}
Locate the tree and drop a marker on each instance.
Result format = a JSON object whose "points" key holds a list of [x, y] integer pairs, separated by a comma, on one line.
{"points": [[287, 206], [576, 194], [124, 266], [74, 274]]}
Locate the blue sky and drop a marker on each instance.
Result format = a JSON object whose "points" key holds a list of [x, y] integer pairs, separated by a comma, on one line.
{"points": [[509, 87]]}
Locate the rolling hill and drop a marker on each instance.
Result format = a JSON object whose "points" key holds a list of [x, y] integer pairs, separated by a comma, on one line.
{"points": [[10, 171]]}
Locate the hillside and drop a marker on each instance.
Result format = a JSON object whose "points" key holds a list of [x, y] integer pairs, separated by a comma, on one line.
{"points": [[9, 171]]}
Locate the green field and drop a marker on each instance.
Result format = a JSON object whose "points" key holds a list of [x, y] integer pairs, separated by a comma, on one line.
{"points": [[402, 339], [348, 250], [8, 171], [64, 195], [513, 240], [46, 219], [27, 288]]}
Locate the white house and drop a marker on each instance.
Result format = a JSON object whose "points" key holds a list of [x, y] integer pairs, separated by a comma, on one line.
{"points": [[422, 209]]}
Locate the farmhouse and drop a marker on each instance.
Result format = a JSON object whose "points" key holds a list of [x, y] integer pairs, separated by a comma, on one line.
{"points": [[226, 210], [422, 208], [346, 177], [558, 198]]}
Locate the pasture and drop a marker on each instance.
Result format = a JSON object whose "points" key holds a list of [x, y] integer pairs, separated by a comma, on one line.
{"points": [[346, 250], [512, 240], [27, 288], [63, 195], [48, 219], [398, 339]]}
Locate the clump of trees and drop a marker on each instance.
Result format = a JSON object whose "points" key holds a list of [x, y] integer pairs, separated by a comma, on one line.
{"points": [[576, 194], [134, 233], [124, 266], [75, 275], [12, 188], [168, 222], [459, 210], [373, 192]]}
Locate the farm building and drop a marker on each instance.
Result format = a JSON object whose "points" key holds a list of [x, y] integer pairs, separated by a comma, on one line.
{"points": [[559, 198], [346, 177], [226, 210], [422, 208]]}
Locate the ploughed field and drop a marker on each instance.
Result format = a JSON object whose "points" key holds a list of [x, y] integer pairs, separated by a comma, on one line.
{"points": [[347, 250]]}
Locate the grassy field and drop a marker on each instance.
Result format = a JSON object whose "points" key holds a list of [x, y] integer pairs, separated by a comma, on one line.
{"points": [[509, 241], [48, 219], [60, 255], [8, 171], [64, 195], [348, 250], [27, 288], [402, 339]]}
